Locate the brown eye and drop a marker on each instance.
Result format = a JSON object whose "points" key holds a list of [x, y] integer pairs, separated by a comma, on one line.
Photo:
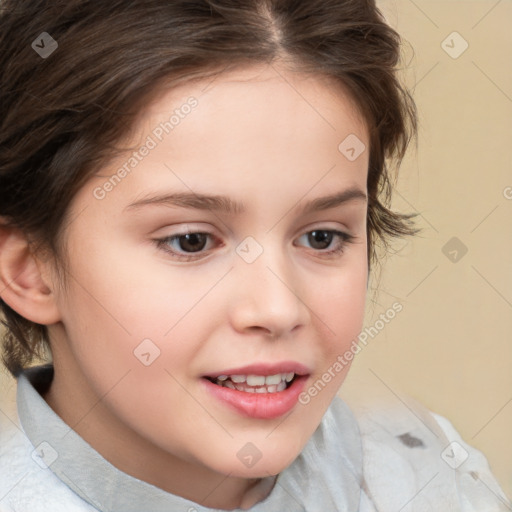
{"points": [[327, 242], [320, 239], [192, 242], [186, 246]]}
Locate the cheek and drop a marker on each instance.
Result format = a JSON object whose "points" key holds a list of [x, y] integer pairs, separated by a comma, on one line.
{"points": [[134, 368], [126, 317], [342, 303], [340, 307], [124, 292]]}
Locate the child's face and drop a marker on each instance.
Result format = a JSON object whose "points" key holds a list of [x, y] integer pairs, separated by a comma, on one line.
{"points": [[257, 291]]}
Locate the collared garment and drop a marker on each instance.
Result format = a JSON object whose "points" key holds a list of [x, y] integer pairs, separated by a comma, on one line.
{"points": [[382, 459]]}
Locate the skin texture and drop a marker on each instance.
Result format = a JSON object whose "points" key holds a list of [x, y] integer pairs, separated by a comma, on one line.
{"points": [[263, 136]]}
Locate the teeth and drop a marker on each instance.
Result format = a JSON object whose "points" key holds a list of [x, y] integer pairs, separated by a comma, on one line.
{"points": [[256, 383], [272, 380], [258, 380], [255, 380]]}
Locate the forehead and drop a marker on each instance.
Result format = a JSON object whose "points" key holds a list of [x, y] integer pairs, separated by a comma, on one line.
{"points": [[260, 131], [253, 91]]}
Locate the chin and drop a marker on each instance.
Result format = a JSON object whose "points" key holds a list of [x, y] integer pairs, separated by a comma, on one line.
{"points": [[250, 462]]}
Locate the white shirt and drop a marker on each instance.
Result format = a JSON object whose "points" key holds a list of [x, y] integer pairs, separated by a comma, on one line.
{"points": [[386, 459]]}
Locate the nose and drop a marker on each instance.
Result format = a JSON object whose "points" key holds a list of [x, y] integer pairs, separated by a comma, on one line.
{"points": [[268, 298]]}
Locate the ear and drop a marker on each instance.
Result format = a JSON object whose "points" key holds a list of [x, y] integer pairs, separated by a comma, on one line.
{"points": [[22, 286]]}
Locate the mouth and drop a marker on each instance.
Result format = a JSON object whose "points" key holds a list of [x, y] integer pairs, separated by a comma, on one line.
{"points": [[259, 391]]}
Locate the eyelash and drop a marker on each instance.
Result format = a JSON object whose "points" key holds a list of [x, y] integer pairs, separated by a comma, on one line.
{"points": [[163, 244]]}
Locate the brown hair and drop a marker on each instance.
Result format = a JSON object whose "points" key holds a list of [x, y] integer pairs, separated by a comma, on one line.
{"points": [[61, 116]]}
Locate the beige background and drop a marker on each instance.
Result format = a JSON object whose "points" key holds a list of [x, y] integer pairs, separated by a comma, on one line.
{"points": [[450, 347]]}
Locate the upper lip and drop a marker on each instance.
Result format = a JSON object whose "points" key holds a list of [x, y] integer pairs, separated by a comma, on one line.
{"points": [[264, 369]]}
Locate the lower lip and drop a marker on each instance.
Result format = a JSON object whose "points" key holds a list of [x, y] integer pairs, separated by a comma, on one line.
{"points": [[263, 406]]}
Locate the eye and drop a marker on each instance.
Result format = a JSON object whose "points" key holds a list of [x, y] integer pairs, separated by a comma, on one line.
{"points": [[191, 246], [183, 246], [321, 239]]}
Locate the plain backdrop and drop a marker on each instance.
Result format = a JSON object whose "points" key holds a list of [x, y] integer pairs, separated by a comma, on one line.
{"points": [[450, 346]]}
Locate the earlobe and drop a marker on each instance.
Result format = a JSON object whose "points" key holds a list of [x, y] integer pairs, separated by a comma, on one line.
{"points": [[22, 286]]}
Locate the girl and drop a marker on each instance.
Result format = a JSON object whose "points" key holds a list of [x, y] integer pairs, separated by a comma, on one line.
{"points": [[191, 197]]}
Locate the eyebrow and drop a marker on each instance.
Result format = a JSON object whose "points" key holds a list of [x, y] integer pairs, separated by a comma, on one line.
{"points": [[223, 204]]}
